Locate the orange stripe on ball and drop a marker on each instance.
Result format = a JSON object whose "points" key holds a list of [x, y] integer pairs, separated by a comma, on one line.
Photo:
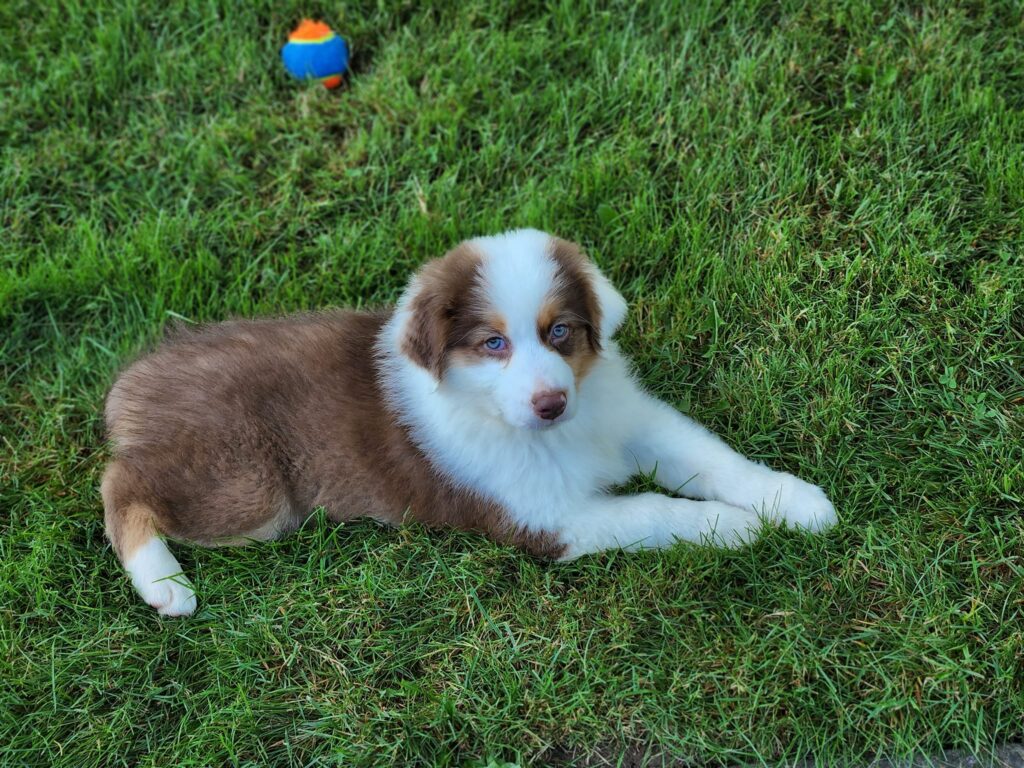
{"points": [[310, 31]]}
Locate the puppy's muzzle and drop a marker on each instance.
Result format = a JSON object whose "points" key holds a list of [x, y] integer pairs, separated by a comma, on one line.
{"points": [[549, 405]]}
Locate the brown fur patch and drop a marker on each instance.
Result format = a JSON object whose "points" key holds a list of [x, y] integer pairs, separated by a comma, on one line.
{"points": [[445, 309], [241, 429], [550, 313], [572, 301], [467, 344], [581, 362], [129, 521]]}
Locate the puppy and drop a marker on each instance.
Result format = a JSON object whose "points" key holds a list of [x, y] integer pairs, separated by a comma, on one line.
{"points": [[492, 399]]}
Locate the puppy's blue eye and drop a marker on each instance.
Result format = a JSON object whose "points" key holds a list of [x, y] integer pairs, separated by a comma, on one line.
{"points": [[496, 344], [559, 331]]}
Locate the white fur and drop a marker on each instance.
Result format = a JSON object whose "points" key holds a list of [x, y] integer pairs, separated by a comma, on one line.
{"points": [[476, 426], [157, 577], [518, 287]]}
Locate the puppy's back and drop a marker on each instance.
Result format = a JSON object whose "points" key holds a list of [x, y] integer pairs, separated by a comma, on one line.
{"points": [[223, 419]]}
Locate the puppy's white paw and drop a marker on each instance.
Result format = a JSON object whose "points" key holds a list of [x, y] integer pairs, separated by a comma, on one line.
{"points": [[157, 577], [177, 598], [802, 505]]}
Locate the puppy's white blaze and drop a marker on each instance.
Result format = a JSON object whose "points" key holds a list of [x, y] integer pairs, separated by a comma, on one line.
{"points": [[521, 272], [518, 276], [157, 577]]}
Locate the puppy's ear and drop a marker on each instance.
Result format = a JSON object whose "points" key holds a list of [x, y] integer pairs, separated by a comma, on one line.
{"points": [[432, 302], [425, 334]]}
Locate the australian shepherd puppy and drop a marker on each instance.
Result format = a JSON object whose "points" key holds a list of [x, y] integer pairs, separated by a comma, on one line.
{"points": [[492, 399]]}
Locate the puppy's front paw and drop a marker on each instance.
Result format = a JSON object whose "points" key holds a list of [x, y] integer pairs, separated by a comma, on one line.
{"points": [[802, 505]]}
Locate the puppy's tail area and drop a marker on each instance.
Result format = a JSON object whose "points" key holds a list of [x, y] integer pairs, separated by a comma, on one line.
{"points": [[132, 528]]}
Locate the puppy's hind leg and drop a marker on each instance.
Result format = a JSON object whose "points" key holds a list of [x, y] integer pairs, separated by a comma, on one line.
{"points": [[132, 529]]}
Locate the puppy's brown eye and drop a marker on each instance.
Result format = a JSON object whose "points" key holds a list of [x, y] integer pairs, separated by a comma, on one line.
{"points": [[559, 332]]}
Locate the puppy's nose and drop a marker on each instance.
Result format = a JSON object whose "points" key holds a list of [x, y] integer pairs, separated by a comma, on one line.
{"points": [[549, 405]]}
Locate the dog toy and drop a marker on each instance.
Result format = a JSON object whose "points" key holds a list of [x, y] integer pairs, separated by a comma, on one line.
{"points": [[315, 52]]}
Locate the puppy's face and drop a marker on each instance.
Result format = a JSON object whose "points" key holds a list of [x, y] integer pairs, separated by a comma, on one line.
{"points": [[512, 324]]}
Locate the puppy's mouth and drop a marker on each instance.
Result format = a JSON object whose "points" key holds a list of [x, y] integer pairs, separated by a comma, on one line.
{"points": [[543, 425]]}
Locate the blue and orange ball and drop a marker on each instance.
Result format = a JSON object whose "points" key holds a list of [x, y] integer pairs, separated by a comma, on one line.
{"points": [[315, 52]]}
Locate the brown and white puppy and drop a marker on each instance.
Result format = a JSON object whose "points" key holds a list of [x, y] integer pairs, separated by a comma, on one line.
{"points": [[492, 399]]}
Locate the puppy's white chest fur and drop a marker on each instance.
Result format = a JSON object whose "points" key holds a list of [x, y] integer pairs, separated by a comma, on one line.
{"points": [[534, 474]]}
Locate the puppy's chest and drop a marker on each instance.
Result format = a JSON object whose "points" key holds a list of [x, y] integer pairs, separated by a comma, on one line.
{"points": [[536, 474]]}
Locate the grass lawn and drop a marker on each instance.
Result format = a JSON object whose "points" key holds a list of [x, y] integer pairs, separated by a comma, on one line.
{"points": [[815, 211]]}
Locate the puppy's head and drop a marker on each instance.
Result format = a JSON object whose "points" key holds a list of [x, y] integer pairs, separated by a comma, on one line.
{"points": [[512, 323]]}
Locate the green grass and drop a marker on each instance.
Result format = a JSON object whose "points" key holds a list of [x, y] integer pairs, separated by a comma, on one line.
{"points": [[815, 211]]}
